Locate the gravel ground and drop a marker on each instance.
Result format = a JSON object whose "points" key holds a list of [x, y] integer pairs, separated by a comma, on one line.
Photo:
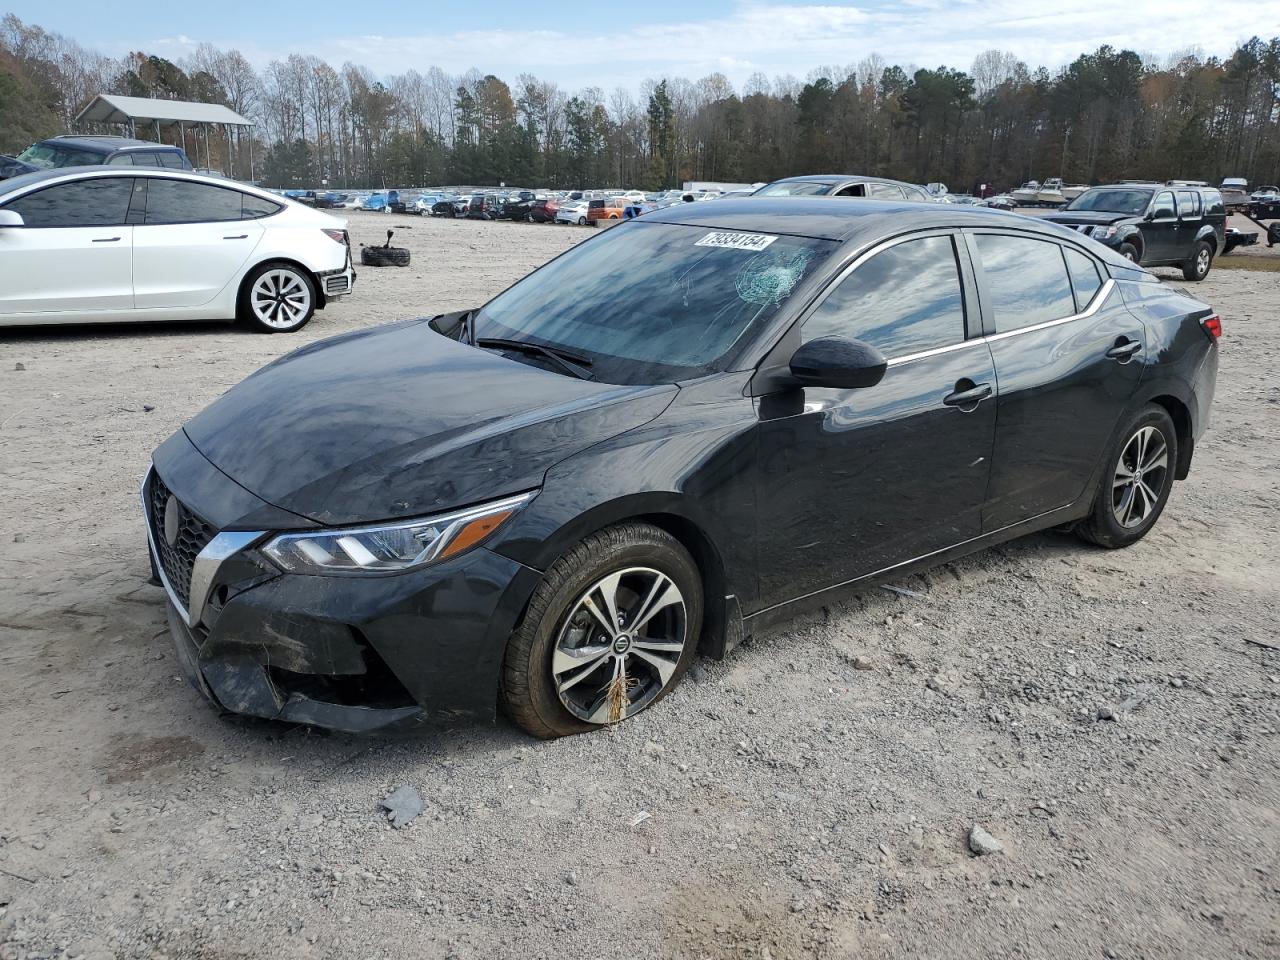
{"points": [[1109, 718]]}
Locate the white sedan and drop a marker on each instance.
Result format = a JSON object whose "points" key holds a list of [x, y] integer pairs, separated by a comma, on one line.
{"points": [[572, 211], [111, 244]]}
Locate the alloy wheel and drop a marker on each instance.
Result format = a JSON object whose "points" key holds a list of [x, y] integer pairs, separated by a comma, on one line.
{"points": [[1140, 477], [280, 299], [620, 645], [1202, 262]]}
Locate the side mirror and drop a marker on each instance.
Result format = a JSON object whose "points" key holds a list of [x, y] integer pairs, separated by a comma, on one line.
{"points": [[837, 362], [1149, 216], [11, 218]]}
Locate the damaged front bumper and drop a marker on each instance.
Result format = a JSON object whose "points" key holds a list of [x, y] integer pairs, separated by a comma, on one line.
{"points": [[347, 653]]}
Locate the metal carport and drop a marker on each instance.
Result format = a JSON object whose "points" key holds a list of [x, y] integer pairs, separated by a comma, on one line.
{"points": [[110, 108]]}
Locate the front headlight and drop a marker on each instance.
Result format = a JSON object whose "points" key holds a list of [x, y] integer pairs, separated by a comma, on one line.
{"points": [[391, 547], [1103, 233]]}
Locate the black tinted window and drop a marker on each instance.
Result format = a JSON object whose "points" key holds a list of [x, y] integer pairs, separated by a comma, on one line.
{"points": [[1084, 276], [1213, 203], [121, 160], [171, 159], [178, 201], [1026, 281], [143, 159], [903, 300], [1188, 203], [251, 207], [102, 201], [1163, 206]]}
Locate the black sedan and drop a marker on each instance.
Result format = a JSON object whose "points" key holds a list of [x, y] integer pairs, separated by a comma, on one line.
{"points": [[747, 408]]}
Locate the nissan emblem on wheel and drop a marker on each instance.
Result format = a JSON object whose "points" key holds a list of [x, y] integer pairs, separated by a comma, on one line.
{"points": [[552, 505]]}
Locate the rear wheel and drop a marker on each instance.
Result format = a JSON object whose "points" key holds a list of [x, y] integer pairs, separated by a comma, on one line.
{"points": [[277, 298], [582, 221], [1136, 482], [610, 631], [1197, 268]]}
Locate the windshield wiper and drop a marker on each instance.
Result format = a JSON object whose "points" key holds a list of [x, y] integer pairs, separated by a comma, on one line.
{"points": [[571, 363]]}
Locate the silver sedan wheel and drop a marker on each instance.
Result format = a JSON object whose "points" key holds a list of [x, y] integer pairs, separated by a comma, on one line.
{"points": [[280, 299], [620, 645], [1140, 477]]}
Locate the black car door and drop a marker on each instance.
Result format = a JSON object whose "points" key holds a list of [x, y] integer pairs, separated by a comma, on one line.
{"points": [[1160, 233], [1068, 358], [855, 481]]}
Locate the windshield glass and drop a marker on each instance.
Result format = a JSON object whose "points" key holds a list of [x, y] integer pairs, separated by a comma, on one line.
{"points": [[46, 156], [654, 302], [1112, 201], [794, 188]]}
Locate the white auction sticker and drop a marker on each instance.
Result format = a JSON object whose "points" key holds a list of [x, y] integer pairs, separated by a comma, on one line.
{"points": [[736, 241]]}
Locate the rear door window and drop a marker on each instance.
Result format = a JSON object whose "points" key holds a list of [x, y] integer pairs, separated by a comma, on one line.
{"points": [[96, 202], [181, 201], [171, 159], [905, 299], [1026, 281]]}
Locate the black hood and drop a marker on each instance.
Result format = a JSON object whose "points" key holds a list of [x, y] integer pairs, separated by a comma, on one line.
{"points": [[401, 421], [1075, 218]]}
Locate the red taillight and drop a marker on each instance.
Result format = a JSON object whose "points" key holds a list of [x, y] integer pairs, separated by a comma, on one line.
{"points": [[1212, 326], [337, 236]]}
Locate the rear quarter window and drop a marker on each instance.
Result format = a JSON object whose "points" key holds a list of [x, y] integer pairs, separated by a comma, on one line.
{"points": [[254, 208]]}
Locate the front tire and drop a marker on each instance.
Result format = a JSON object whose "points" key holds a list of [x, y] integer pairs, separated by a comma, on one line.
{"points": [[1197, 268], [610, 631], [1136, 481], [1128, 251], [277, 298]]}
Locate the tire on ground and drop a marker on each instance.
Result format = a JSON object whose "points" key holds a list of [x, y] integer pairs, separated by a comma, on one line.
{"points": [[528, 693], [384, 256]]}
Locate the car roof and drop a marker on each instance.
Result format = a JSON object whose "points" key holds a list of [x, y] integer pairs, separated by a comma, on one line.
{"points": [[25, 180], [842, 178], [107, 144], [825, 218]]}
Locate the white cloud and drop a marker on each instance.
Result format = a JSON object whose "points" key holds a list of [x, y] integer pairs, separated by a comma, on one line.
{"points": [[795, 38]]}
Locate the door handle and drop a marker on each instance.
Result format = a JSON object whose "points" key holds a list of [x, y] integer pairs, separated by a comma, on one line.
{"points": [[973, 393], [1124, 350], [239, 236], [106, 239]]}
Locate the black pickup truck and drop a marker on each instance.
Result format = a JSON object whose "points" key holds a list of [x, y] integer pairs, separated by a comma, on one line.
{"points": [[1153, 224]]}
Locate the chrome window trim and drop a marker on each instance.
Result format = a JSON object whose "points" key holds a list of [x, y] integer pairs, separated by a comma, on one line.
{"points": [[1094, 306], [204, 569], [1099, 298]]}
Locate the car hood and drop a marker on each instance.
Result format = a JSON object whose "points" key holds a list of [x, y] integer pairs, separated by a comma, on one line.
{"points": [[401, 421], [1076, 218]]}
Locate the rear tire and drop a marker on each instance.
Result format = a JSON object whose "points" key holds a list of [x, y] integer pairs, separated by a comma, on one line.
{"points": [[1197, 268], [1137, 478], [534, 691], [277, 298]]}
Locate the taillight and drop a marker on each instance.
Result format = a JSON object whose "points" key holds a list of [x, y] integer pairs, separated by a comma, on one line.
{"points": [[337, 236], [1212, 326]]}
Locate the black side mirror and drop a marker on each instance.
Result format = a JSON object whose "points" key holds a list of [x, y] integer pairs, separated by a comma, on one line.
{"points": [[837, 362]]}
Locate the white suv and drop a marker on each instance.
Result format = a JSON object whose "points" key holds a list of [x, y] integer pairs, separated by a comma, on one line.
{"points": [[103, 244]]}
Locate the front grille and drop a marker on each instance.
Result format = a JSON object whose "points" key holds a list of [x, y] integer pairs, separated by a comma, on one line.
{"points": [[194, 534]]}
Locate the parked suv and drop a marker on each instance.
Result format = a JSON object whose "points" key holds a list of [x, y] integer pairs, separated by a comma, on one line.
{"points": [[1153, 224], [91, 151]]}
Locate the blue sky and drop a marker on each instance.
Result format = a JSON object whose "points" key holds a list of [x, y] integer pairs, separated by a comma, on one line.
{"points": [[610, 44]]}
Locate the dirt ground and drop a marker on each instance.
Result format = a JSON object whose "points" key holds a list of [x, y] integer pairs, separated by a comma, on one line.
{"points": [[809, 797]]}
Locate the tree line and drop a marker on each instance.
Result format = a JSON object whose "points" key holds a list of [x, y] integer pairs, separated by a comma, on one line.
{"points": [[1108, 115]]}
